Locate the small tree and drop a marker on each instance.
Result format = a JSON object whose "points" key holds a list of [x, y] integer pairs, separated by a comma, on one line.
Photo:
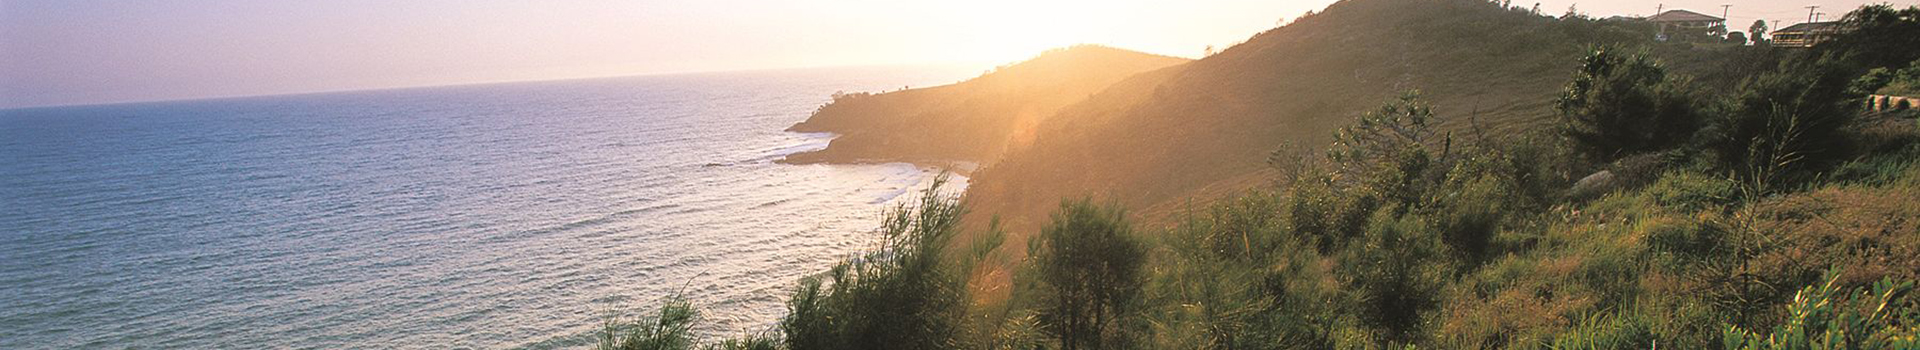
{"points": [[1759, 31], [1786, 125], [905, 295], [1090, 270], [1620, 105], [1737, 38], [1394, 274], [1394, 150], [669, 329]]}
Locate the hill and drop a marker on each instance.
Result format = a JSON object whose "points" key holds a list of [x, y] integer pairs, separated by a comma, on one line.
{"points": [[1740, 198], [971, 121], [1156, 140]]}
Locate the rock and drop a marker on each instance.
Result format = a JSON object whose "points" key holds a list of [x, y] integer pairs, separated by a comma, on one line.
{"points": [[1593, 186]]}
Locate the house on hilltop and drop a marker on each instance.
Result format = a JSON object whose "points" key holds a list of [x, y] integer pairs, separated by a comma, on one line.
{"points": [[1806, 34], [1687, 24]]}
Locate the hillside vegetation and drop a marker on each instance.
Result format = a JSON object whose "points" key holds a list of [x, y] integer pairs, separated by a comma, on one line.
{"points": [[1214, 123], [972, 121], [1646, 197]]}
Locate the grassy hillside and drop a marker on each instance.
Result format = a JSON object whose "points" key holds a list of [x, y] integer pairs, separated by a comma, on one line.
{"points": [[1213, 123], [1632, 203], [975, 120]]}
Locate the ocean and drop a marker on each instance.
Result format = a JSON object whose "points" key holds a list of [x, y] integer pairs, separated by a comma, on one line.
{"points": [[518, 215]]}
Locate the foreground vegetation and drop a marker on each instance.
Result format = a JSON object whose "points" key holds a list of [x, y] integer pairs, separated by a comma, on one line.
{"points": [[1780, 214]]}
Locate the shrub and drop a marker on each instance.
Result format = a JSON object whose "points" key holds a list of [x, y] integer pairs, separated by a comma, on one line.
{"points": [[1089, 266], [669, 329], [1394, 275], [1692, 191], [1786, 126], [902, 295], [1393, 150], [1206, 292], [1824, 316], [1471, 206], [1619, 105]]}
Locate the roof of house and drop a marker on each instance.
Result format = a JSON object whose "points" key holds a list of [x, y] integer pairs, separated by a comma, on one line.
{"points": [[1810, 27], [1682, 16]]}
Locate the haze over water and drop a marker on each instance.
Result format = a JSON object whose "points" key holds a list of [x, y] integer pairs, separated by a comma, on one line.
{"points": [[512, 215]]}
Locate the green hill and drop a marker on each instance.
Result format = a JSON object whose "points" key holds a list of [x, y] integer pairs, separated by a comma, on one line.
{"points": [[1209, 126], [1561, 183], [972, 121]]}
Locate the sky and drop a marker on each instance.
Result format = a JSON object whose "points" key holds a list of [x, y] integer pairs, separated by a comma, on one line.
{"points": [[68, 52]]}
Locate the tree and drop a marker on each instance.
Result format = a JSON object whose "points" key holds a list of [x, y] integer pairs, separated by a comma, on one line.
{"points": [[669, 329], [1394, 274], [1620, 105], [1759, 31], [1785, 126], [1090, 268], [1393, 150], [1877, 36], [905, 295]]}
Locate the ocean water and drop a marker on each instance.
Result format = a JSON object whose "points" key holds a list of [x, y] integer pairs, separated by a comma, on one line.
{"points": [[491, 216]]}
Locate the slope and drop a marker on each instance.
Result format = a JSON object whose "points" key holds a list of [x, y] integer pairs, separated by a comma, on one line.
{"points": [[973, 121], [1161, 138]]}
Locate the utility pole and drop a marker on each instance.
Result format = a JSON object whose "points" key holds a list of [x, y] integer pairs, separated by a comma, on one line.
{"points": [[1810, 12], [1724, 11], [1658, 10]]}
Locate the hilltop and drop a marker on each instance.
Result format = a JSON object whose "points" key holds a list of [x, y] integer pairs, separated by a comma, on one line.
{"points": [[972, 121], [1209, 126]]}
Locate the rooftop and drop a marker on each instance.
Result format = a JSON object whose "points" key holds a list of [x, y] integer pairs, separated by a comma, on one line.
{"points": [[1810, 27], [1682, 16]]}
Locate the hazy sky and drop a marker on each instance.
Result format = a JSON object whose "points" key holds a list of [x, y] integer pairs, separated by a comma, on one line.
{"points": [[58, 52]]}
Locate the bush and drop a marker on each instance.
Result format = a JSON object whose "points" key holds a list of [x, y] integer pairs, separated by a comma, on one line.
{"points": [[1394, 276], [1393, 151], [1471, 206], [1208, 292], [1620, 105], [901, 296], [1692, 191], [1824, 316], [1786, 126], [1090, 273], [669, 329]]}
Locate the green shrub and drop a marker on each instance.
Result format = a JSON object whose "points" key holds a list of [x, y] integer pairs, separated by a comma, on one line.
{"points": [[1688, 191], [1620, 105], [669, 329], [1786, 126], [1394, 275], [1472, 206], [1396, 152], [1824, 316], [1205, 293], [903, 295], [1090, 269]]}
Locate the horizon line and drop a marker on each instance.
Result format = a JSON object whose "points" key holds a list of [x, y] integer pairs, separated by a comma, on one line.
{"points": [[477, 83]]}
